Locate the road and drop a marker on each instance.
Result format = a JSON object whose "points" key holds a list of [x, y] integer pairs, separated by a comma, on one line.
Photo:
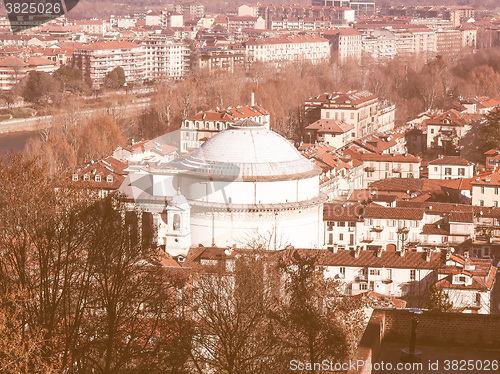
{"points": [[36, 123]]}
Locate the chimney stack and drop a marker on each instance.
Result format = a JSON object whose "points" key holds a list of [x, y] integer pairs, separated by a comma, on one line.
{"points": [[252, 100], [428, 255]]}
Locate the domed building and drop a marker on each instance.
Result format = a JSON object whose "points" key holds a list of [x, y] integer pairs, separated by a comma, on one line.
{"points": [[246, 186]]}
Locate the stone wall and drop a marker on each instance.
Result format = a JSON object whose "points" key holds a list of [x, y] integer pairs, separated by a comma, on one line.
{"points": [[434, 328]]}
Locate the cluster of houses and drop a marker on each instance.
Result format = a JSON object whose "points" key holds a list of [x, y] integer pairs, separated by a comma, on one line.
{"points": [[393, 225], [170, 43]]}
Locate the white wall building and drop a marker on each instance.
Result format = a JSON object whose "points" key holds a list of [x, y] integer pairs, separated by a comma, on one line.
{"points": [[244, 183], [450, 167]]}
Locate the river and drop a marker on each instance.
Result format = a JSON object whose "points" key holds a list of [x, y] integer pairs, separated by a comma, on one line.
{"points": [[15, 140]]}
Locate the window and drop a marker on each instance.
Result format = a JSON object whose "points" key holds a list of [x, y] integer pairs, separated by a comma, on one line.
{"points": [[462, 279], [411, 167], [341, 237], [363, 286], [435, 168], [447, 171], [109, 178], [97, 178], [341, 224], [432, 131], [86, 177], [342, 270], [461, 171], [413, 274], [372, 284], [177, 222], [495, 204], [481, 202], [75, 177], [389, 273], [327, 115], [330, 238], [478, 298], [391, 223], [482, 190], [374, 272], [496, 190]]}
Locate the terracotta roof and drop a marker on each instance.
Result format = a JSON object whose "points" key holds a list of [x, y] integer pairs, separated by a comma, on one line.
{"points": [[368, 258], [376, 299], [330, 126], [230, 114], [389, 158], [433, 229], [344, 98], [462, 217], [492, 179], [451, 160], [343, 212], [377, 211], [109, 45]]}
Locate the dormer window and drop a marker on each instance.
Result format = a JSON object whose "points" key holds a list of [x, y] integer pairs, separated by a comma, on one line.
{"points": [[97, 178], [109, 178], [86, 177], [462, 279], [75, 177]]}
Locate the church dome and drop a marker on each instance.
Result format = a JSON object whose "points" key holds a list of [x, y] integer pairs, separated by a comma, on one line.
{"points": [[250, 151]]}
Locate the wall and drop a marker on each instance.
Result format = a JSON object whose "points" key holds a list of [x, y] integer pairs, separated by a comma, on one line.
{"points": [[440, 329]]}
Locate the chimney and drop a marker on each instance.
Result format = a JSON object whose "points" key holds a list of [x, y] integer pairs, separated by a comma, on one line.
{"points": [[466, 255], [448, 253], [428, 255], [357, 250], [378, 252], [402, 252], [335, 248], [252, 99]]}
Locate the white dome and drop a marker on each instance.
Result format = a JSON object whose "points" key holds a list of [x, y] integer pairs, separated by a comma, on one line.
{"points": [[250, 151]]}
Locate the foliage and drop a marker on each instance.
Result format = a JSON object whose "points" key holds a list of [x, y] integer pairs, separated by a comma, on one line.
{"points": [[439, 300], [115, 78], [72, 80], [40, 88], [94, 293]]}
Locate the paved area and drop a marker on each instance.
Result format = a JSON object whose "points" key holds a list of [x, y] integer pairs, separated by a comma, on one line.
{"points": [[440, 360]]}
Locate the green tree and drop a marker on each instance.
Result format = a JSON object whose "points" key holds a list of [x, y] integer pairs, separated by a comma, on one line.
{"points": [[439, 300], [490, 132], [115, 78], [317, 322], [72, 80], [41, 88]]}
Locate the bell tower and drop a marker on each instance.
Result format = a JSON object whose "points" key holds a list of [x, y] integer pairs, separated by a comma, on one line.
{"points": [[174, 229]]}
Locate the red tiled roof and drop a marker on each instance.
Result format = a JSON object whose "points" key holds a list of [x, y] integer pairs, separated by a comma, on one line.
{"points": [[330, 126], [451, 160], [433, 229], [377, 211], [368, 258], [343, 212], [389, 158]]}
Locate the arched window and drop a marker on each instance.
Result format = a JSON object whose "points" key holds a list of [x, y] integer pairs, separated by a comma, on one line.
{"points": [[177, 222]]}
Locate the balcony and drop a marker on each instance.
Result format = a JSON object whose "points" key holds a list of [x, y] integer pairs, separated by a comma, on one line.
{"points": [[377, 229], [361, 278], [369, 169], [404, 230]]}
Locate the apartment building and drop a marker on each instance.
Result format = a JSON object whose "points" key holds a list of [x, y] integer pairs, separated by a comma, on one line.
{"points": [[190, 10], [198, 128], [342, 224], [215, 59], [345, 43], [293, 48], [98, 59], [385, 166], [165, 57], [13, 69], [448, 42], [92, 26], [445, 130], [486, 190], [450, 167], [362, 109], [333, 132], [269, 12]]}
